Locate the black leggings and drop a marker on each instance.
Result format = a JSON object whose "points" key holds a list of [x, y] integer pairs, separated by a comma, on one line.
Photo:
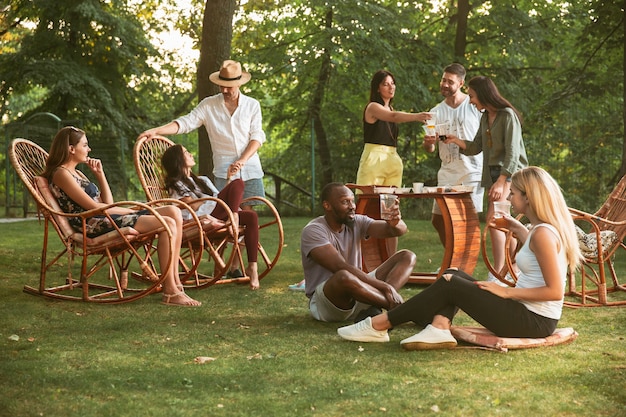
{"points": [[504, 317]]}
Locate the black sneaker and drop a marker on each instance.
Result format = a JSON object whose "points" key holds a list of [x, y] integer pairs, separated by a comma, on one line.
{"points": [[368, 312]]}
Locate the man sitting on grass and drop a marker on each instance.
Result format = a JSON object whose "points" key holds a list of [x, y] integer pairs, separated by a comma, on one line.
{"points": [[336, 286]]}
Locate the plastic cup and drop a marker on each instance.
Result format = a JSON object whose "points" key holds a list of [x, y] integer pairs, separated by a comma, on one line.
{"points": [[386, 202], [430, 130], [443, 130], [500, 208], [418, 187]]}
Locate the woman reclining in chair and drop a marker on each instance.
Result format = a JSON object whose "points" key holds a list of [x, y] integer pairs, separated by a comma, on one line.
{"points": [[531, 309], [76, 194], [183, 184]]}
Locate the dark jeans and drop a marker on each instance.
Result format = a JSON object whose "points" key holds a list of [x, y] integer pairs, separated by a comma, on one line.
{"points": [[232, 194], [504, 317]]}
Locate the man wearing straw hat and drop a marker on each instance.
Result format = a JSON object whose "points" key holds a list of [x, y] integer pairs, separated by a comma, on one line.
{"points": [[234, 124]]}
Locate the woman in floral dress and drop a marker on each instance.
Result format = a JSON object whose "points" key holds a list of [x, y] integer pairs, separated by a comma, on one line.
{"points": [[76, 194]]}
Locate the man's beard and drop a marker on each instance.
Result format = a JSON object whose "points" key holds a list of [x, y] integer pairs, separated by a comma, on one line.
{"points": [[346, 219], [448, 92]]}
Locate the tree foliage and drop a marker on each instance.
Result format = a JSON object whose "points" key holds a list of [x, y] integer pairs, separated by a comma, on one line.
{"points": [[85, 61], [84, 53], [560, 63]]}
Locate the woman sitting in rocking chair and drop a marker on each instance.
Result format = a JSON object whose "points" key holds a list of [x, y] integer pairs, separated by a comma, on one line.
{"points": [[76, 194], [184, 185]]}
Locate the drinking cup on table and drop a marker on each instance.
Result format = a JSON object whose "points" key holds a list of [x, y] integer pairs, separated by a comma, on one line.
{"points": [[501, 208], [386, 202], [418, 187]]}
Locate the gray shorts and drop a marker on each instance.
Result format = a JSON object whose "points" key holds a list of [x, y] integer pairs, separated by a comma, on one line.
{"points": [[323, 309], [251, 188]]}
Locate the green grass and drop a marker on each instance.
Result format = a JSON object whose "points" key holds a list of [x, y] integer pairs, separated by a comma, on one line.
{"points": [[272, 359]]}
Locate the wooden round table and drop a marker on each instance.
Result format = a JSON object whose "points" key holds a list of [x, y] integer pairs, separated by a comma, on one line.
{"points": [[462, 231]]}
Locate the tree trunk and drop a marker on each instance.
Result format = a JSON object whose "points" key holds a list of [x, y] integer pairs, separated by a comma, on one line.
{"points": [[316, 107], [460, 40], [217, 34], [622, 170]]}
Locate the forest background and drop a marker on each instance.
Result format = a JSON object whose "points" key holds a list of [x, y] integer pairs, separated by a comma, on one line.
{"points": [[107, 66]]}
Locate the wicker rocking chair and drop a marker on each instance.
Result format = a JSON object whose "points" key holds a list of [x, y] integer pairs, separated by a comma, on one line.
{"points": [[220, 243], [602, 242], [105, 263]]}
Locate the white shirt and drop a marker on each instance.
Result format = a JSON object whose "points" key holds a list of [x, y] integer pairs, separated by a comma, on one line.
{"points": [[229, 135], [457, 168]]}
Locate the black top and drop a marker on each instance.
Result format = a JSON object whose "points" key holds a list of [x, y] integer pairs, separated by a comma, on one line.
{"points": [[380, 133]]}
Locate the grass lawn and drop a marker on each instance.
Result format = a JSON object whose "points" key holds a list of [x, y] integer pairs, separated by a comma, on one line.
{"points": [[272, 359]]}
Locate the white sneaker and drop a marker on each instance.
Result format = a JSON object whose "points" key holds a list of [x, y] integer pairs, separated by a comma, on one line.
{"points": [[430, 338], [363, 332]]}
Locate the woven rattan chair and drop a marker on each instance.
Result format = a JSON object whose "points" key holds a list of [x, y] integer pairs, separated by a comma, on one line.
{"points": [[104, 263], [507, 274], [147, 155], [602, 242]]}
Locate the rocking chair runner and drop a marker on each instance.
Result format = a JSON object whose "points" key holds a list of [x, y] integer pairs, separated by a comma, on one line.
{"points": [[122, 250], [147, 155]]}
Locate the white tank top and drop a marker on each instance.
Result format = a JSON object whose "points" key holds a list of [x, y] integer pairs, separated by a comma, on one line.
{"points": [[531, 277]]}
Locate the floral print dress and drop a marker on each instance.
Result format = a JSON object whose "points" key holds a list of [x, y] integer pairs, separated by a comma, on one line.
{"points": [[96, 225]]}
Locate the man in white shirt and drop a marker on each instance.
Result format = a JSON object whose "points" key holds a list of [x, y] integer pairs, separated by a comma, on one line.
{"points": [[461, 119], [234, 124]]}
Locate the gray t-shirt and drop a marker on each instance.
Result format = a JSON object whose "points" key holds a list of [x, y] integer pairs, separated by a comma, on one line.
{"points": [[347, 242]]}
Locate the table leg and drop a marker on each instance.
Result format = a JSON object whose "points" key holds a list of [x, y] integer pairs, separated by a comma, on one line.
{"points": [[462, 230]]}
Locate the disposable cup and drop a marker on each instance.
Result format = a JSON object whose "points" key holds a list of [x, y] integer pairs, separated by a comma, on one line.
{"points": [[442, 130], [500, 208], [386, 203], [430, 130], [418, 187]]}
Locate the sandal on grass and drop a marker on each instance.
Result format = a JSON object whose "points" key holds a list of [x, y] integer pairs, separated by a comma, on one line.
{"points": [[188, 301]]}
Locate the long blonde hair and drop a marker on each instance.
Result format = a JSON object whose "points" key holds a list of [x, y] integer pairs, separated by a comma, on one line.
{"points": [[546, 200]]}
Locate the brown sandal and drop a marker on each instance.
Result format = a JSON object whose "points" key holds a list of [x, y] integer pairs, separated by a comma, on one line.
{"points": [[168, 297]]}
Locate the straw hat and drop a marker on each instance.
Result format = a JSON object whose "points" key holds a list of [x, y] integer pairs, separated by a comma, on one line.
{"points": [[230, 75]]}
